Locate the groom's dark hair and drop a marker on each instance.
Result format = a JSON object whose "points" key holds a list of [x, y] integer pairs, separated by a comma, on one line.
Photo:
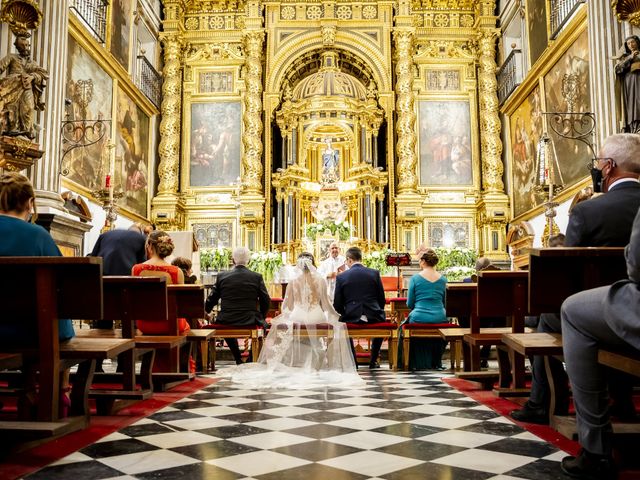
{"points": [[354, 253]]}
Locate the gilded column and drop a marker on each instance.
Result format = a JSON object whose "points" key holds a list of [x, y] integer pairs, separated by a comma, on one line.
{"points": [[169, 149], [252, 119], [405, 126], [490, 126]]}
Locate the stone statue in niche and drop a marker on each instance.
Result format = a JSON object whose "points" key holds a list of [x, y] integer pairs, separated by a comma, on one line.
{"points": [[628, 72], [21, 91], [329, 164]]}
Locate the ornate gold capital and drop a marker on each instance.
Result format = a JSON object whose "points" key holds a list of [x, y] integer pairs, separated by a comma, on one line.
{"points": [[405, 126]]}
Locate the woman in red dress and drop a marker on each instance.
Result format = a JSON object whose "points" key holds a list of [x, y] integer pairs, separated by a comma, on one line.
{"points": [[159, 246]]}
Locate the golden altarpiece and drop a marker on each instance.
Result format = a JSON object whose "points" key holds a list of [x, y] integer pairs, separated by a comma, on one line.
{"points": [[382, 114]]}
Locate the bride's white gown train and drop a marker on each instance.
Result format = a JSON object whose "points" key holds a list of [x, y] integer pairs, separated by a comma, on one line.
{"points": [[306, 346]]}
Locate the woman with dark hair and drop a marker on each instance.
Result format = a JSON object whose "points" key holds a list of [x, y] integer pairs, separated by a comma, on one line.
{"points": [[426, 299], [628, 71], [306, 346]]}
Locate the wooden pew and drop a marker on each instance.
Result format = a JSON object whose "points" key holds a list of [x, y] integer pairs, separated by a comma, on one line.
{"points": [[627, 361], [502, 293], [554, 275], [41, 291]]}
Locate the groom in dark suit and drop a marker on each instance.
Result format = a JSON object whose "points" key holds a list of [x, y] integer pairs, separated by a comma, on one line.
{"points": [[359, 297], [244, 298]]}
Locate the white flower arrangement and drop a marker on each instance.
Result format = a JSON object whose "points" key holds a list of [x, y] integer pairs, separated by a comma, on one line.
{"points": [[266, 264]]}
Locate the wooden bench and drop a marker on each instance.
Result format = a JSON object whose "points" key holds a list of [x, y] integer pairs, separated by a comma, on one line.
{"points": [[423, 330], [41, 291], [221, 330], [554, 275], [627, 361], [461, 301], [369, 331]]}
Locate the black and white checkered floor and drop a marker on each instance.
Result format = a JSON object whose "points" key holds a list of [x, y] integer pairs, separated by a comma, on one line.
{"points": [[400, 426]]}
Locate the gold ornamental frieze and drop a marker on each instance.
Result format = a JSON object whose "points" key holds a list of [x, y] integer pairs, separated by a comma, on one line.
{"points": [[466, 49], [213, 51], [627, 10]]}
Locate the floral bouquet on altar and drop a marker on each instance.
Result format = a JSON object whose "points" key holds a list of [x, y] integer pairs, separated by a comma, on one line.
{"points": [[266, 264], [456, 263], [343, 229], [378, 261], [214, 258]]}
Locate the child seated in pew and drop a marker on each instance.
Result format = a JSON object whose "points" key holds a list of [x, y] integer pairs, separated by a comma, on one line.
{"points": [[158, 247], [21, 237], [185, 265]]}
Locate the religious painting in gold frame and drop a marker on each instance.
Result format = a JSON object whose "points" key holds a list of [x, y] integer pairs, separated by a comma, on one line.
{"points": [[446, 149], [90, 90], [567, 89], [537, 24], [132, 155], [214, 143], [526, 128], [121, 22]]}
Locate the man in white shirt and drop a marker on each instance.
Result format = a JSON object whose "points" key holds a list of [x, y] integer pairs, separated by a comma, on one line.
{"points": [[332, 266]]}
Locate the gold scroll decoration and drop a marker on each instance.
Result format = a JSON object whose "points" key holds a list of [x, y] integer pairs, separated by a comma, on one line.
{"points": [[169, 149], [252, 136], [405, 127]]}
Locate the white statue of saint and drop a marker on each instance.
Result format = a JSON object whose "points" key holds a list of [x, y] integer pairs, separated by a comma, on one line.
{"points": [[329, 164]]}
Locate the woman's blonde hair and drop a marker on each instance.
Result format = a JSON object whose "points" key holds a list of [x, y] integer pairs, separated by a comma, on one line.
{"points": [[15, 192], [161, 243]]}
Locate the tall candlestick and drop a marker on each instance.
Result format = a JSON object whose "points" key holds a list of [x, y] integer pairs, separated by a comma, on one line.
{"points": [[386, 228]]}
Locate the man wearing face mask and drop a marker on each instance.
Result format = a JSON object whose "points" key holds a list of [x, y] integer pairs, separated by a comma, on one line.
{"points": [[602, 221], [606, 221]]}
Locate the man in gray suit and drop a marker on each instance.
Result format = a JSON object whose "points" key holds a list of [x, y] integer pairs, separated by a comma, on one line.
{"points": [[605, 317]]}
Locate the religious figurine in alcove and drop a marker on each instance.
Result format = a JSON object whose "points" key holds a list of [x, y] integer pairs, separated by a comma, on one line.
{"points": [[329, 164], [628, 72], [21, 90]]}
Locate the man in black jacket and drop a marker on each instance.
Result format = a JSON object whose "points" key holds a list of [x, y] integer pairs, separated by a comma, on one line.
{"points": [[244, 298], [603, 221], [359, 297]]}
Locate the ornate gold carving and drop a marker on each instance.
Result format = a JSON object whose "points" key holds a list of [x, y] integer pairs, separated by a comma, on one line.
{"points": [[627, 10], [215, 82], [443, 80], [344, 12], [252, 138], [447, 49], [214, 51], [490, 125], [369, 12], [405, 126], [314, 12], [288, 13], [328, 35], [169, 149], [21, 15], [444, 4]]}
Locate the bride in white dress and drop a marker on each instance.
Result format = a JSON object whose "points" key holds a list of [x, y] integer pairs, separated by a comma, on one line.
{"points": [[306, 346]]}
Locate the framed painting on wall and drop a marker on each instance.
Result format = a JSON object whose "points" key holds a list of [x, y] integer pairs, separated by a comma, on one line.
{"points": [[90, 91], [445, 143], [132, 155], [121, 19], [526, 128], [567, 90], [537, 33], [215, 144]]}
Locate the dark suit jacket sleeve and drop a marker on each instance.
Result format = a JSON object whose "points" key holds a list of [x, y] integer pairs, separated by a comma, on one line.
{"points": [[142, 254], [632, 252], [212, 299], [338, 298], [96, 248], [264, 298], [575, 229], [380, 293]]}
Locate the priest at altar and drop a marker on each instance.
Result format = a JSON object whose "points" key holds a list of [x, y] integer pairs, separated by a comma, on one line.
{"points": [[332, 266]]}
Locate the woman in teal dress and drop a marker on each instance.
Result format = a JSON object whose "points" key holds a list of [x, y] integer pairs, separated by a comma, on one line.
{"points": [[20, 238], [426, 299]]}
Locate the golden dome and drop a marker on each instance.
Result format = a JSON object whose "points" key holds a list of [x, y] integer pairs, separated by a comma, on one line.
{"points": [[329, 81]]}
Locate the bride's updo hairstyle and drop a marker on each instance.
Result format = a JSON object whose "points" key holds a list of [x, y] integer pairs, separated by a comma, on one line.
{"points": [[161, 243], [309, 256], [430, 257]]}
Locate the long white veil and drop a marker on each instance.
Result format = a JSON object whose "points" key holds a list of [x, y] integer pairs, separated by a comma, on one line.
{"points": [[306, 346]]}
